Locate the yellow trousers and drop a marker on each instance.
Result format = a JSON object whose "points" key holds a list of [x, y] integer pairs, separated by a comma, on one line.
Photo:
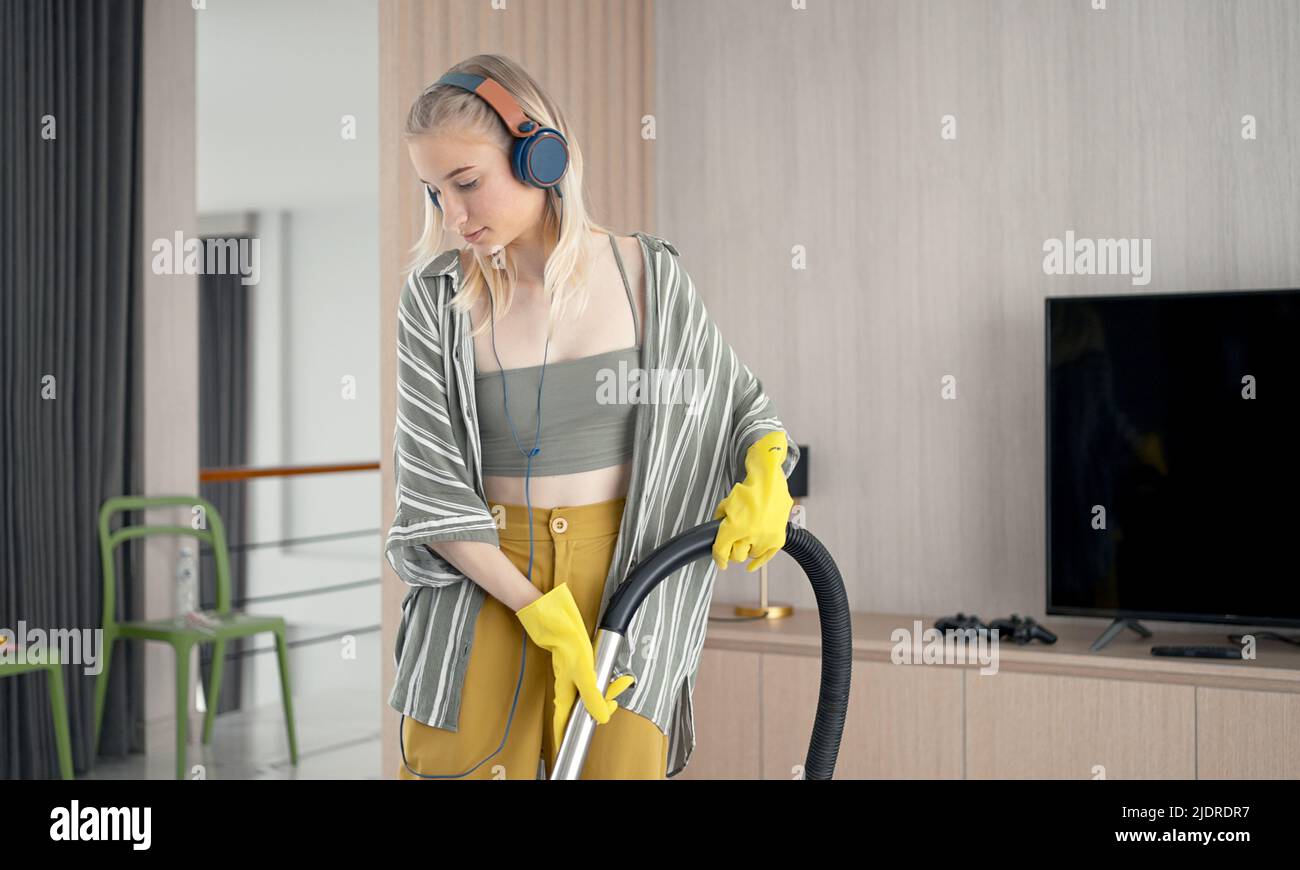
{"points": [[573, 545]]}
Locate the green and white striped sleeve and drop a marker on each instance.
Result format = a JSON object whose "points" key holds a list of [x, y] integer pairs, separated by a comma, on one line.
{"points": [[435, 494], [752, 413], [753, 418]]}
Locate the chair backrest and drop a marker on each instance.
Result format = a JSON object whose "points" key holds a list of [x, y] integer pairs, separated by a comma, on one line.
{"points": [[214, 533]]}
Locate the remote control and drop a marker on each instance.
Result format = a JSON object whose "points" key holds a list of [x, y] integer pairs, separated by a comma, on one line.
{"points": [[1208, 651]]}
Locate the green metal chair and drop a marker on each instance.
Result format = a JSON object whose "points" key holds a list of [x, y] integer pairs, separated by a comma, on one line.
{"points": [[58, 705], [175, 631]]}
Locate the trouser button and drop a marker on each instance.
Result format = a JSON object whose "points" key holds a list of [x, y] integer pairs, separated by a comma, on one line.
{"points": [[559, 524]]}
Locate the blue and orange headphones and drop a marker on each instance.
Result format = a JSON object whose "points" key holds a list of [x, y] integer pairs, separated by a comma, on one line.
{"points": [[540, 154]]}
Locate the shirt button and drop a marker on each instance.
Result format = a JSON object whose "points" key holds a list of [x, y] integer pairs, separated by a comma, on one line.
{"points": [[559, 525]]}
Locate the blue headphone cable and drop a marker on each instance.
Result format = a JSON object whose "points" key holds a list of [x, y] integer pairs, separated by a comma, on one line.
{"points": [[523, 657]]}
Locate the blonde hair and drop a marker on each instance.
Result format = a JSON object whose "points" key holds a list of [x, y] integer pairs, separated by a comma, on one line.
{"points": [[449, 108]]}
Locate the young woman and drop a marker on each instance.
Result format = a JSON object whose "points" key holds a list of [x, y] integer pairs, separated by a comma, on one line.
{"points": [[531, 475]]}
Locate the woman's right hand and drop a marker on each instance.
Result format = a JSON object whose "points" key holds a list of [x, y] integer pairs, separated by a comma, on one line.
{"points": [[555, 624]]}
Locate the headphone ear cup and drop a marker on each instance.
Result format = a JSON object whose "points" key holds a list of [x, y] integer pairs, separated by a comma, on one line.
{"points": [[542, 159], [433, 197]]}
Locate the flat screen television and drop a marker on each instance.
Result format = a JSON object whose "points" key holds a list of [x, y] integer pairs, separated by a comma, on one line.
{"points": [[1173, 456]]}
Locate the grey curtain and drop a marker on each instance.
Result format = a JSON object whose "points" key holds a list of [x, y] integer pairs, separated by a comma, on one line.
{"points": [[70, 254], [223, 441]]}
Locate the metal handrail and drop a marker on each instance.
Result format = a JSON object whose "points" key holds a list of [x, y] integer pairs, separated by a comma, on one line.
{"points": [[235, 473]]}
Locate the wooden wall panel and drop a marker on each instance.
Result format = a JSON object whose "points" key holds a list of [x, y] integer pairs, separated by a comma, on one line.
{"points": [[820, 127]]}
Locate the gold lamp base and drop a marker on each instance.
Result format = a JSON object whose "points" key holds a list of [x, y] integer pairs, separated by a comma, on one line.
{"points": [[772, 611], [764, 610]]}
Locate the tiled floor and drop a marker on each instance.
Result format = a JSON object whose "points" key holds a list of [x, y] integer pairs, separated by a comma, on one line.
{"points": [[338, 738]]}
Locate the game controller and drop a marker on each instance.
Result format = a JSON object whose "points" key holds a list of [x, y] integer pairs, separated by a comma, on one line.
{"points": [[1022, 631], [971, 627], [960, 622]]}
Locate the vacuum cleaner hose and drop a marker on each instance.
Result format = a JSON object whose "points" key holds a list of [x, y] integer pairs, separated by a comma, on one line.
{"points": [[832, 612]]}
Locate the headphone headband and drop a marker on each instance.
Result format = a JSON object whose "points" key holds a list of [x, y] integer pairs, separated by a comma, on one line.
{"points": [[539, 156], [498, 98]]}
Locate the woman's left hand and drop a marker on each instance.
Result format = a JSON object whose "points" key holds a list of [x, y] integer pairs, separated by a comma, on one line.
{"points": [[755, 513]]}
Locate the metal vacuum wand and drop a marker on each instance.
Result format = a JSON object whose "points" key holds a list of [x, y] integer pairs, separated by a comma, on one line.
{"points": [[572, 753]]}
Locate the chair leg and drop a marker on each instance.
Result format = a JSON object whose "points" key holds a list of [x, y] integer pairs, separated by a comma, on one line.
{"points": [[283, 655], [101, 690], [59, 709], [182, 704], [214, 687]]}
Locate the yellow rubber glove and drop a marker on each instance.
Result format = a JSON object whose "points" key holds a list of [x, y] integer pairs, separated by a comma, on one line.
{"points": [[754, 515], [555, 624]]}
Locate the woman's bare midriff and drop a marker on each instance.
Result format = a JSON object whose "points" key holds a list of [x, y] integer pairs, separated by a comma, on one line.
{"points": [[561, 490]]}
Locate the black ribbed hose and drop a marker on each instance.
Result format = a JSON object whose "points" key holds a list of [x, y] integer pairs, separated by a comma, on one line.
{"points": [[832, 612]]}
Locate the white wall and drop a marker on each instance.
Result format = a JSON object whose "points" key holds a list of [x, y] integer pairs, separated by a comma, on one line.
{"points": [[275, 81]]}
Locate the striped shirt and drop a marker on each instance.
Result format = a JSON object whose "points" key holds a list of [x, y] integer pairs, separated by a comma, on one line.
{"points": [[690, 449]]}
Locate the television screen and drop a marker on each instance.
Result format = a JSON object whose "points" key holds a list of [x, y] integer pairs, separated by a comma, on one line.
{"points": [[1173, 456]]}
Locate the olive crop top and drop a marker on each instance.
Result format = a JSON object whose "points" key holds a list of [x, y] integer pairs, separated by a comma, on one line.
{"points": [[579, 432]]}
